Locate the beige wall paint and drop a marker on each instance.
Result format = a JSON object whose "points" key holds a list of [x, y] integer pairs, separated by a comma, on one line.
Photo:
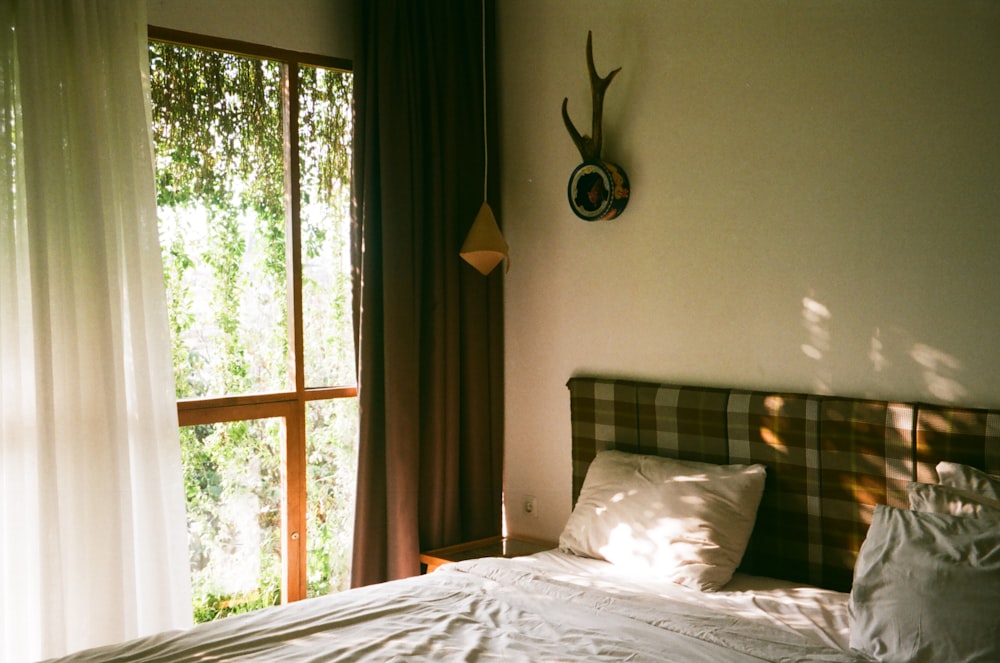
{"points": [[815, 207], [320, 27]]}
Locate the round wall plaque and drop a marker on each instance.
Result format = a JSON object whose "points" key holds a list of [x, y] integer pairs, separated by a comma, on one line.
{"points": [[598, 190]]}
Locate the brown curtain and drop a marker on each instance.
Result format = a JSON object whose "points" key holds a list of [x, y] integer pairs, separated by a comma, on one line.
{"points": [[429, 327]]}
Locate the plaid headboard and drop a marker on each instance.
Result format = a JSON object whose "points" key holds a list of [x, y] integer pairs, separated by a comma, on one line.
{"points": [[829, 460]]}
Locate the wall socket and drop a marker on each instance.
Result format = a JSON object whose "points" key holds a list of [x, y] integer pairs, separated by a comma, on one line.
{"points": [[529, 505]]}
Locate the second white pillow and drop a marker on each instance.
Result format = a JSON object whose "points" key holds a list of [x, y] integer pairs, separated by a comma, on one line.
{"points": [[966, 477], [935, 498]]}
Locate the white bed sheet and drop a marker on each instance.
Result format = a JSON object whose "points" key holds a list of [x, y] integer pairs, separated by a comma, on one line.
{"points": [[818, 614], [549, 607]]}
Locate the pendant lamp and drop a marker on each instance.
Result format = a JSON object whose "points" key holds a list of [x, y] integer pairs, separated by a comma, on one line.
{"points": [[484, 247]]}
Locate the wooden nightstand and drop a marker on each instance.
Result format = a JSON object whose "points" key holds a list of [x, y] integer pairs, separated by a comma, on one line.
{"points": [[494, 546]]}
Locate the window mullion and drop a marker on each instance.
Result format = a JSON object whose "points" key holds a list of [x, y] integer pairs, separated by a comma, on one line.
{"points": [[293, 522], [294, 461], [293, 221]]}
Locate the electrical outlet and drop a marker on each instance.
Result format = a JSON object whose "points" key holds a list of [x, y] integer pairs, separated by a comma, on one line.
{"points": [[529, 504]]}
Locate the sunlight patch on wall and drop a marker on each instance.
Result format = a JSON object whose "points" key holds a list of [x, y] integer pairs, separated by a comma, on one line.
{"points": [[816, 320], [876, 353], [939, 369]]}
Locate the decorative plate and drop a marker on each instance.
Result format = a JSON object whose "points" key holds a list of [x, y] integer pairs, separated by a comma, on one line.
{"points": [[598, 190]]}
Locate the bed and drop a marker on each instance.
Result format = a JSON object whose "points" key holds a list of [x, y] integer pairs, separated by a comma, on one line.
{"points": [[709, 524]]}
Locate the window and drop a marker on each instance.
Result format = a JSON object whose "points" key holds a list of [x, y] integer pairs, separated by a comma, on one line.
{"points": [[252, 172]]}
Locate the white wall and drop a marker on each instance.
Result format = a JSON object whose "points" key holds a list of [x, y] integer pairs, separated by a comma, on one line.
{"points": [[815, 207], [322, 27]]}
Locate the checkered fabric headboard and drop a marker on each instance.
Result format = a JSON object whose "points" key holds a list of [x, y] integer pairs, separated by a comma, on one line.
{"points": [[829, 460]]}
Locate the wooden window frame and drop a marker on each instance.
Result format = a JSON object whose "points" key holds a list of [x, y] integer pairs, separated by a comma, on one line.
{"points": [[290, 406]]}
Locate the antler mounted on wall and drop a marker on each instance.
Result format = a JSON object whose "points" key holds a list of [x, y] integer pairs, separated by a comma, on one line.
{"points": [[598, 189], [590, 146]]}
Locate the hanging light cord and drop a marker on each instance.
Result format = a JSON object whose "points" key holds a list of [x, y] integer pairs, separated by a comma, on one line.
{"points": [[486, 142]]}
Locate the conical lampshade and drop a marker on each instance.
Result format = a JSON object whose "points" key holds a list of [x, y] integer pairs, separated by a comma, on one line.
{"points": [[484, 246]]}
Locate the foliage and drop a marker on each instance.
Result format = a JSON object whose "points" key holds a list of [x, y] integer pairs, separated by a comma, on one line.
{"points": [[217, 126]]}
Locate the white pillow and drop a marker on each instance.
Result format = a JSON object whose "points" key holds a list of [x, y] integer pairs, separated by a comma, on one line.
{"points": [[680, 520], [969, 478], [926, 588], [936, 498]]}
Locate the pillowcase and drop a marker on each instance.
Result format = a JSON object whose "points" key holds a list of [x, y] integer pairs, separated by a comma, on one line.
{"points": [[969, 478], [935, 498], [926, 588], [685, 521]]}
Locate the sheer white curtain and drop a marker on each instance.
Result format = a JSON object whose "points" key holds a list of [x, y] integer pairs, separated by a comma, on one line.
{"points": [[92, 527]]}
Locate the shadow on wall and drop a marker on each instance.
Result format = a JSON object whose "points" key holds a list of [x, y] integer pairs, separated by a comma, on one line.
{"points": [[937, 369]]}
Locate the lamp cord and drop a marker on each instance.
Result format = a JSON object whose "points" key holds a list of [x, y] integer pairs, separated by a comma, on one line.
{"points": [[486, 142]]}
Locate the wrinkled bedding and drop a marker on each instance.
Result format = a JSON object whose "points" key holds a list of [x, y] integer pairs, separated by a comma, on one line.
{"points": [[549, 607], [820, 615]]}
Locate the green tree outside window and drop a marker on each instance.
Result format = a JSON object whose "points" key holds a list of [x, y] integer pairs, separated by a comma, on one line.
{"points": [[223, 181]]}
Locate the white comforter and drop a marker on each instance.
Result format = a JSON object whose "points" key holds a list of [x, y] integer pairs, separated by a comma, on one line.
{"points": [[545, 608]]}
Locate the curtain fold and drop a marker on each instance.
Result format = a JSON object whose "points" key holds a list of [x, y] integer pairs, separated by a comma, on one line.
{"points": [[429, 327], [92, 524]]}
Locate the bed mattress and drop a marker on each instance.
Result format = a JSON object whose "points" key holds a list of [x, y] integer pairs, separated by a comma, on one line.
{"points": [[547, 607]]}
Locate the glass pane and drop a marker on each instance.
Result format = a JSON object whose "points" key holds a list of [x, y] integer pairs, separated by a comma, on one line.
{"points": [[325, 161], [331, 475], [220, 179], [232, 479]]}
